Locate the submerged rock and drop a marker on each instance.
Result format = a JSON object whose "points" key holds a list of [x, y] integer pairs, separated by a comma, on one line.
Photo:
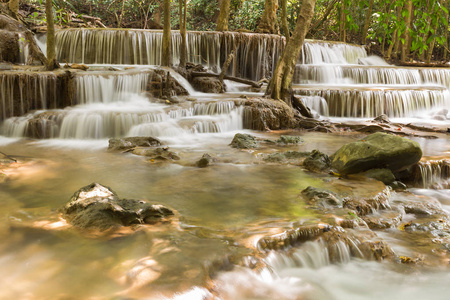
{"points": [[288, 156], [379, 150], [98, 206], [244, 141], [321, 197], [289, 140], [122, 144], [156, 154], [317, 162]]}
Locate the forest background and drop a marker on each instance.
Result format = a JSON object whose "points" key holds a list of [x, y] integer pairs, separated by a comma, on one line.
{"points": [[401, 30]]}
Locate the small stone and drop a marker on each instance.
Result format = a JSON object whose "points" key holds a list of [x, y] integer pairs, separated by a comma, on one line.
{"points": [[205, 161], [123, 144]]}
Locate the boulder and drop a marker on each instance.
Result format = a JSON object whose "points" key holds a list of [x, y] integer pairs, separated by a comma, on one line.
{"points": [[123, 144], [378, 150], [244, 141], [317, 162], [207, 85], [98, 206]]}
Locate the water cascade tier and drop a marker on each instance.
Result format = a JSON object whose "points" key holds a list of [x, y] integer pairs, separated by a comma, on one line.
{"points": [[256, 54], [359, 101], [21, 92]]}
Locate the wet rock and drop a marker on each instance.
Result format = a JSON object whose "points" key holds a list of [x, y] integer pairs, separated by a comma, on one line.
{"points": [[208, 84], [321, 197], [379, 150], [298, 104], [367, 205], [382, 119], [244, 141], [289, 156], [98, 206], [156, 154], [290, 140], [267, 114], [383, 175], [377, 250], [205, 161], [122, 144], [398, 186], [317, 162], [422, 208], [384, 219], [292, 237]]}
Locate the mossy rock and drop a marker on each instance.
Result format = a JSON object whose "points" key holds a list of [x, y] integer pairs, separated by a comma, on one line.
{"points": [[290, 140], [98, 206], [317, 162], [244, 141], [121, 144], [378, 150]]}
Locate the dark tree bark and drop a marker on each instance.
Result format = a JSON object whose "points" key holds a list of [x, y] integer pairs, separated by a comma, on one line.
{"points": [[280, 84], [51, 51], [268, 22], [167, 39], [222, 20]]}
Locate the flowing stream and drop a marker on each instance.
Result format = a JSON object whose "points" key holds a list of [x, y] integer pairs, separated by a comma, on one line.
{"points": [[209, 252]]}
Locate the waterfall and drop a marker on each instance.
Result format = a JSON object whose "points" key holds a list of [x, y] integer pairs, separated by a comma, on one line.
{"points": [[368, 103], [434, 173], [137, 117], [316, 52], [20, 93], [256, 55], [106, 88]]}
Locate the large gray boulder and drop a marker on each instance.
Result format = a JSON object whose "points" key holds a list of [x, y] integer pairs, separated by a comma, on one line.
{"points": [[98, 206], [378, 150]]}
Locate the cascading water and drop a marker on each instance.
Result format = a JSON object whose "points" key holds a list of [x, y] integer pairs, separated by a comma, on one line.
{"points": [[434, 174], [20, 93]]}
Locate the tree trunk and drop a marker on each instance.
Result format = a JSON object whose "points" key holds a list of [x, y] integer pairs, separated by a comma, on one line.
{"points": [[280, 84], [406, 36], [284, 22], [167, 39], [222, 21], [183, 50], [433, 41], [51, 52], [394, 41], [429, 7], [342, 19], [119, 25], [367, 23], [446, 40], [268, 22]]}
